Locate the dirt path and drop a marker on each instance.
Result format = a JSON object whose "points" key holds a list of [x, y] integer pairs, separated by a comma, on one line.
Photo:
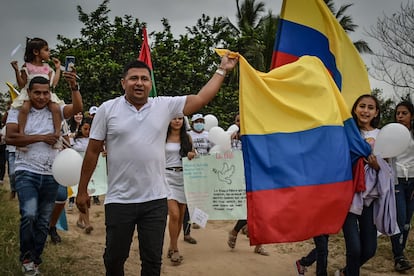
{"points": [[212, 256]]}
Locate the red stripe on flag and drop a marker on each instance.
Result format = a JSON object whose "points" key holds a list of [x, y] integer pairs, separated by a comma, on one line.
{"points": [[270, 218], [280, 58], [145, 54]]}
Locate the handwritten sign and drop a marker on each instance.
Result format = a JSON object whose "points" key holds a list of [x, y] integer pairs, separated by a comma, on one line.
{"points": [[199, 217], [215, 185]]}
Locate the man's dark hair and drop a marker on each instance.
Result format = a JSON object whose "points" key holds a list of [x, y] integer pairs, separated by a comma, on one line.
{"points": [[135, 64], [39, 80]]}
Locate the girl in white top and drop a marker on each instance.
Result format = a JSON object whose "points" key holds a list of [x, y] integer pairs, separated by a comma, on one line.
{"points": [[404, 189], [80, 143], [178, 145]]}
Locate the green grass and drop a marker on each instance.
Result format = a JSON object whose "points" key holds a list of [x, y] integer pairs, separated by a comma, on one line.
{"points": [[57, 259]]}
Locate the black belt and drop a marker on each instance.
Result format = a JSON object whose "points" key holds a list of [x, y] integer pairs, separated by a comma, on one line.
{"points": [[175, 169]]}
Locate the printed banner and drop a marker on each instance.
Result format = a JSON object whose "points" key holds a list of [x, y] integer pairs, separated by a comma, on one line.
{"points": [[215, 185]]}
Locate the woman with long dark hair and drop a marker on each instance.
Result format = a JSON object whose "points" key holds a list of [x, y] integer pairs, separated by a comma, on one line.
{"points": [[178, 145]]}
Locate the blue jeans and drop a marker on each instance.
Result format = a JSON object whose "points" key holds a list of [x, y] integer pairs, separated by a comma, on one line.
{"points": [[360, 235], [37, 194], [62, 194], [318, 254], [11, 157], [150, 219], [405, 207]]}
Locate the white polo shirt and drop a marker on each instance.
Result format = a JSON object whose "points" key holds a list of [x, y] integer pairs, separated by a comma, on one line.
{"points": [[135, 144]]}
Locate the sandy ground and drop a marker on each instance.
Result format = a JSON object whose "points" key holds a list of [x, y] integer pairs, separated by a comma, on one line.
{"points": [[211, 255]]}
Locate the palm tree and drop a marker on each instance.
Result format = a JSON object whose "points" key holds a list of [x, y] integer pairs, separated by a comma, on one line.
{"points": [[348, 25], [249, 30]]}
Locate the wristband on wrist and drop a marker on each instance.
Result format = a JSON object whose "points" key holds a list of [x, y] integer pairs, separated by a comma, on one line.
{"points": [[221, 71]]}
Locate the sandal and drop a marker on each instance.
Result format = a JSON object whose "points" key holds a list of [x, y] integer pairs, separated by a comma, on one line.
{"points": [[189, 239], [88, 229], [80, 225], [261, 251], [176, 258], [232, 240], [171, 252]]}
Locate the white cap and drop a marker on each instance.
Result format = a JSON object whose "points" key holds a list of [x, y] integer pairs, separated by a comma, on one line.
{"points": [[93, 110], [196, 117]]}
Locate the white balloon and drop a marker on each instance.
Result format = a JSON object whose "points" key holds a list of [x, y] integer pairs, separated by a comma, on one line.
{"points": [[66, 167], [392, 140], [215, 149], [232, 129], [210, 121], [214, 134], [224, 141]]}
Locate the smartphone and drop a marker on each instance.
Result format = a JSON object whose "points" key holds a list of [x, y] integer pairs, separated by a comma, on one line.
{"points": [[69, 62]]}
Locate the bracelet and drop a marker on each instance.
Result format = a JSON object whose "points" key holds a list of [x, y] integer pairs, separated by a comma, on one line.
{"points": [[75, 88], [221, 71]]}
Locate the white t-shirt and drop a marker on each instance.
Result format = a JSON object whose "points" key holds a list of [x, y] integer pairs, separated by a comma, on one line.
{"points": [[200, 141], [39, 156], [135, 143], [80, 144], [370, 136]]}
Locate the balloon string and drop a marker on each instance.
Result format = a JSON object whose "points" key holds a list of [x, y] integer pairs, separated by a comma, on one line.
{"points": [[65, 143]]}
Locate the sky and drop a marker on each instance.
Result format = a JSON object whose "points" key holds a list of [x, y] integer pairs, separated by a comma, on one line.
{"points": [[48, 18]]}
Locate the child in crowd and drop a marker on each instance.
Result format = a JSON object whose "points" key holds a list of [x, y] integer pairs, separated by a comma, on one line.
{"points": [[363, 220], [80, 143], [36, 56]]}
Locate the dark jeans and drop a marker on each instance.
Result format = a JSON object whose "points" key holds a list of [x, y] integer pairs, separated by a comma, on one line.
{"points": [[239, 225], [318, 254], [121, 219], [186, 222], [360, 235], [405, 206], [3, 158], [37, 194]]}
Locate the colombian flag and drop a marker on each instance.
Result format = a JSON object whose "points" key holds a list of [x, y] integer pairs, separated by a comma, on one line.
{"points": [[297, 136], [308, 27], [145, 56]]}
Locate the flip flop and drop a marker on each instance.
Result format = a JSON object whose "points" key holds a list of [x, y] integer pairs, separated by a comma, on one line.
{"points": [[231, 242]]}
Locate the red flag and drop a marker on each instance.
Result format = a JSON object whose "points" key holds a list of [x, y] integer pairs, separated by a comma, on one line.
{"points": [[145, 56]]}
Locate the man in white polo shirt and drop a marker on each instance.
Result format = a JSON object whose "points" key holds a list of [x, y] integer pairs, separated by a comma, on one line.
{"points": [[133, 128], [35, 185]]}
